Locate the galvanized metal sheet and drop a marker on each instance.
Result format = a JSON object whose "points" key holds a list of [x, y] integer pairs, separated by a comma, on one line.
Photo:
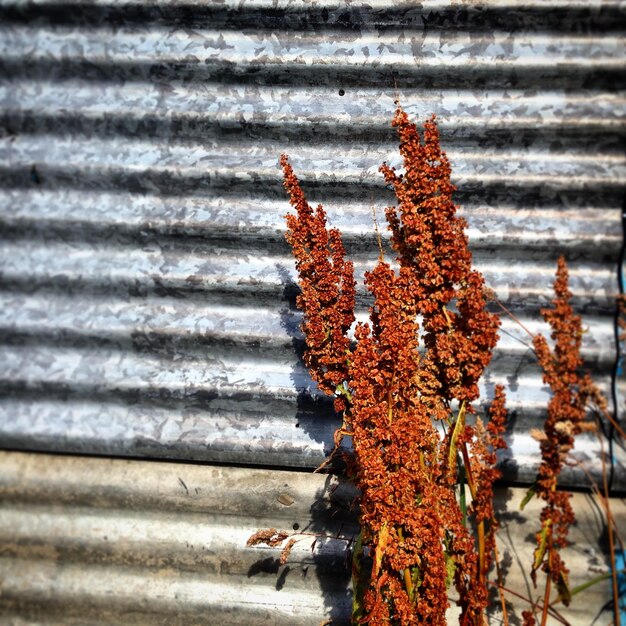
{"points": [[101, 541], [147, 293], [108, 542]]}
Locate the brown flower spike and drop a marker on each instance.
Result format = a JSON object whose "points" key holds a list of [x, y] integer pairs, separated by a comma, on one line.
{"points": [[326, 288], [567, 412], [402, 383]]}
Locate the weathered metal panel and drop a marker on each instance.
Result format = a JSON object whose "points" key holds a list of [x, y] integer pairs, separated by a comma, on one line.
{"points": [[147, 294], [96, 541], [101, 541]]}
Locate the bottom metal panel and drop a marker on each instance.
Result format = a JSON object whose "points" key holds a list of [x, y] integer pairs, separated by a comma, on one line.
{"points": [[109, 541]]}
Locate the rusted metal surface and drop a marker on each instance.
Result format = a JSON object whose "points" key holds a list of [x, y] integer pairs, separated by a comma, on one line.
{"points": [[102, 541], [146, 292]]}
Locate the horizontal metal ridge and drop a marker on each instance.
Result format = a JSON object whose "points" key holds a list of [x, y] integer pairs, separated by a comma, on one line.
{"points": [[438, 59], [276, 496], [592, 8], [454, 49], [150, 373], [362, 111], [259, 224], [203, 268], [197, 328], [86, 540], [360, 161], [111, 596], [299, 6], [185, 542]]}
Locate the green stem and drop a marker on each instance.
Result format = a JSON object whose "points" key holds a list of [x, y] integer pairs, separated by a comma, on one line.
{"points": [[357, 582], [408, 579], [595, 581]]}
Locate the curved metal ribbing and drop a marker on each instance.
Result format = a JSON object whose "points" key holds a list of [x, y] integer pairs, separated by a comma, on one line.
{"points": [[146, 292], [111, 541]]}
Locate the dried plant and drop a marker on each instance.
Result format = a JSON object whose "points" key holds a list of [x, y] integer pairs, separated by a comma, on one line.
{"points": [[405, 389], [572, 393], [393, 396], [269, 536]]}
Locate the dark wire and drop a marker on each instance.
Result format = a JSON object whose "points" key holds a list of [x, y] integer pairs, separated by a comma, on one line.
{"points": [[617, 367]]}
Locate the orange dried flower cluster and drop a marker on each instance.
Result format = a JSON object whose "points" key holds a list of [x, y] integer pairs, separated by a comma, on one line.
{"points": [[394, 396], [326, 288], [566, 414]]}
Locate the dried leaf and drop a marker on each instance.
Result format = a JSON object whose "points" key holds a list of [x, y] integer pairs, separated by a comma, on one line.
{"points": [[540, 550], [530, 494], [562, 586], [284, 554], [538, 435], [268, 536], [383, 539]]}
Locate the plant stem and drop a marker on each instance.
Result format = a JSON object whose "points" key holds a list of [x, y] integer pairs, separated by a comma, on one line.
{"points": [[468, 471], [408, 581], [610, 419], [513, 317], [546, 596], [481, 525], [553, 612], [459, 425], [481, 552], [609, 524]]}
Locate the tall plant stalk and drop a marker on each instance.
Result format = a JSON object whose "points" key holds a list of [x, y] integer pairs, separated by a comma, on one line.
{"points": [[402, 382], [573, 392]]}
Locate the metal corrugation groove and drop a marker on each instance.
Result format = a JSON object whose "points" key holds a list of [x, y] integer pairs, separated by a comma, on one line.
{"points": [[97, 541], [147, 294], [101, 541]]}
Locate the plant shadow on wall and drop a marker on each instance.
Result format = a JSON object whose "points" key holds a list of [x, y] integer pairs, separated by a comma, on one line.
{"points": [[406, 389], [314, 557], [314, 410], [322, 556]]}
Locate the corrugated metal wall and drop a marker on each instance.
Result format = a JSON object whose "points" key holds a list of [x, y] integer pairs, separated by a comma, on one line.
{"points": [[99, 541], [146, 292], [110, 541]]}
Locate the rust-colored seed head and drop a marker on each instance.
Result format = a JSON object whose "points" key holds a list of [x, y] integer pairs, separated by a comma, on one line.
{"points": [[392, 392], [566, 415], [327, 287]]}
